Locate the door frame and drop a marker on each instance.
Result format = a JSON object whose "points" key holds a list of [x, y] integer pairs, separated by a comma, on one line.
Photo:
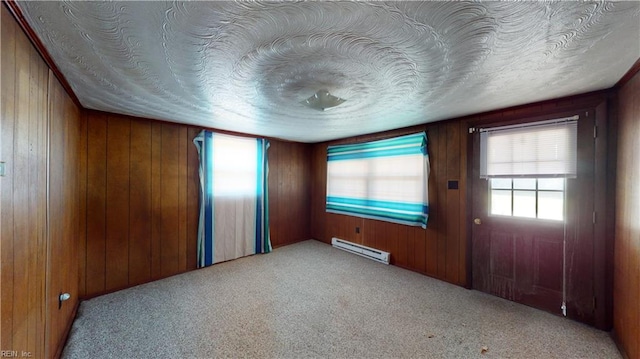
{"points": [[604, 177]]}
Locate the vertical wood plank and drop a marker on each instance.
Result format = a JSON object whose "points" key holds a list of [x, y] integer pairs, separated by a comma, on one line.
{"points": [[140, 203], [372, 232], [82, 203], [383, 239], [462, 212], [436, 220], [57, 130], [299, 175], [453, 202], [7, 126], [626, 291], [322, 180], [318, 192], [73, 216], [579, 233], [288, 186], [420, 249], [402, 245], [38, 116], [345, 228], [274, 197], [279, 229], [62, 258], [156, 199], [392, 239], [280, 206], [169, 168], [441, 183], [117, 203], [182, 199], [305, 199], [96, 202], [22, 227]]}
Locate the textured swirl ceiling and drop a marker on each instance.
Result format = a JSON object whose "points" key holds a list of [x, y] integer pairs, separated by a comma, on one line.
{"points": [[247, 66]]}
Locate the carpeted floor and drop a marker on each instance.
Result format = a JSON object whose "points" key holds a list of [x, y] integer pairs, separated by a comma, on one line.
{"points": [[311, 300]]}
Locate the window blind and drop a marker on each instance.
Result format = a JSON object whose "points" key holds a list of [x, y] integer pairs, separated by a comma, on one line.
{"points": [[539, 149], [384, 180]]}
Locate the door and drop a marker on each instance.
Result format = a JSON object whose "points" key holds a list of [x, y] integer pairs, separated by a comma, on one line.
{"points": [[519, 259], [532, 238]]}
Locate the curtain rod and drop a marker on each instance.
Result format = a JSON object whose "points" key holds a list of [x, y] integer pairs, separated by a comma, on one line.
{"points": [[532, 124]]}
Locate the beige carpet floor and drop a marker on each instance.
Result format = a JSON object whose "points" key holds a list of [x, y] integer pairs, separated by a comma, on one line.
{"points": [[311, 300]]}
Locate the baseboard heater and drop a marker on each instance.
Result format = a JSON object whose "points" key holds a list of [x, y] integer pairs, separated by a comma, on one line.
{"points": [[367, 252]]}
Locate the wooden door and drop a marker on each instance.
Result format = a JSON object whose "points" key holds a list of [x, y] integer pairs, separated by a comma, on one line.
{"points": [[542, 263], [515, 258]]}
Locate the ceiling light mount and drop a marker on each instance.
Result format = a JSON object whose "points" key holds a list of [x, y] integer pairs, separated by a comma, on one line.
{"points": [[322, 100]]}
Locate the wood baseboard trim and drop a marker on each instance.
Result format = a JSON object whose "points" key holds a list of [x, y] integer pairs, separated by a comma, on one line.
{"points": [[280, 245], [117, 289]]}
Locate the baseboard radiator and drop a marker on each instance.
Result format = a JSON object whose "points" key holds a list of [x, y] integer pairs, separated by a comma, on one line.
{"points": [[367, 252]]}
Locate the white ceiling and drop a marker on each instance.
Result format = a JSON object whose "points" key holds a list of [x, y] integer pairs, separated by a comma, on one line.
{"points": [[246, 66]]}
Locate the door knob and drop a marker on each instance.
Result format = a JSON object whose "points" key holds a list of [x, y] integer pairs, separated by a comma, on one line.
{"points": [[477, 221], [62, 298]]}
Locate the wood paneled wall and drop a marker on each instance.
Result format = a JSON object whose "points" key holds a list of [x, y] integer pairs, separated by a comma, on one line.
{"points": [[65, 214], [141, 179], [142, 194], [23, 226], [627, 242], [289, 192], [39, 210], [440, 250]]}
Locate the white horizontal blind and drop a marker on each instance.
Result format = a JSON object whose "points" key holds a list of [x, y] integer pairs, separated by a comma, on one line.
{"points": [[537, 149]]}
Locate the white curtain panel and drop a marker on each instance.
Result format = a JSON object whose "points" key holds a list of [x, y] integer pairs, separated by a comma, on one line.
{"points": [[234, 219]]}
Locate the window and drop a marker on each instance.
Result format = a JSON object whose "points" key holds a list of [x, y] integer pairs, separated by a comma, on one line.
{"points": [[538, 149], [385, 180], [235, 164], [527, 166], [234, 203], [541, 198]]}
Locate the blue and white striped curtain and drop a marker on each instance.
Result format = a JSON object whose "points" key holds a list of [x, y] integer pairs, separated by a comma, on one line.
{"points": [[385, 180], [234, 206]]}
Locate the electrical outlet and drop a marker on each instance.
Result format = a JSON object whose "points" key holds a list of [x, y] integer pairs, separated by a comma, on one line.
{"points": [[357, 229]]}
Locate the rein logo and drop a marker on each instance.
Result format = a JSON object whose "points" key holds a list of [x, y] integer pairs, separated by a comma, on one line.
{"points": [[14, 354]]}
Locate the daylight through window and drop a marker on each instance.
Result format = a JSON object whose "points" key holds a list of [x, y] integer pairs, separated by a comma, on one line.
{"points": [[541, 198], [384, 180]]}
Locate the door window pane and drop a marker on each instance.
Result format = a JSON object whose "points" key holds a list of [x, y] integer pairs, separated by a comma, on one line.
{"points": [[541, 198], [551, 205], [551, 184], [524, 183], [501, 183], [524, 204], [501, 202]]}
